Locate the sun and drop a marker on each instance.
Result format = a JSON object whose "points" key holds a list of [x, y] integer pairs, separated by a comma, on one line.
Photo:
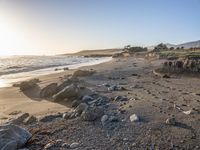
{"points": [[13, 40]]}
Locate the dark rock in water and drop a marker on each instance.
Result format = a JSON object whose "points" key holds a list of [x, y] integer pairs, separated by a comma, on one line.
{"points": [[166, 76], [66, 68], [82, 73], [50, 118], [13, 137], [69, 92], [49, 90], [92, 114], [20, 118]]}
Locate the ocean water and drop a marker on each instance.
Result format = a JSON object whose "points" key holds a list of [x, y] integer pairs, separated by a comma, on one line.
{"points": [[18, 68]]}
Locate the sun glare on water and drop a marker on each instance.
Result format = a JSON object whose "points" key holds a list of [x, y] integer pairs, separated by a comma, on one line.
{"points": [[2, 83]]}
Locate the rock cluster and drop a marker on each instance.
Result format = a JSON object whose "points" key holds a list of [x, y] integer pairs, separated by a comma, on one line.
{"points": [[184, 65]]}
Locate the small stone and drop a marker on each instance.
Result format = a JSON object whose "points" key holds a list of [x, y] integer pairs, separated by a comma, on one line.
{"points": [[121, 98], [75, 103], [113, 119], [166, 76], [74, 145], [68, 115], [30, 120], [171, 121], [59, 142], [87, 98], [65, 145], [50, 118], [80, 108], [48, 146], [134, 118], [104, 118]]}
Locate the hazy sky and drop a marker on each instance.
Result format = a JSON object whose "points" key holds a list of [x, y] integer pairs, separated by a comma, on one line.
{"points": [[62, 26]]}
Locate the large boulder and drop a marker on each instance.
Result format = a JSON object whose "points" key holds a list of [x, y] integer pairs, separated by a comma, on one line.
{"points": [[13, 137], [26, 85], [82, 73], [67, 83], [69, 92], [72, 92], [49, 90]]}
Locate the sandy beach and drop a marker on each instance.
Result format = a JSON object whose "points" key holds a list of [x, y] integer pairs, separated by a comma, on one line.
{"points": [[153, 98]]}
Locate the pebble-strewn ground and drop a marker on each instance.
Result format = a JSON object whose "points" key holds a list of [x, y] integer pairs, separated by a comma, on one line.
{"points": [[153, 99]]}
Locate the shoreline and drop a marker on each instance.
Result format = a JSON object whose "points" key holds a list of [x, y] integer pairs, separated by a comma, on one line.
{"points": [[10, 79], [20, 102]]}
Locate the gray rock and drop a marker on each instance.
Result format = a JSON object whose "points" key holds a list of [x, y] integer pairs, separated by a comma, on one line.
{"points": [[59, 142], [69, 115], [74, 145], [171, 121], [92, 114], [116, 88], [65, 145], [113, 88], [49, 90], [121, 98], [20, 118], [82, 73], [69, 92], [134, 118], [66, 68], [113, 119], [49, 146], [87, 98], [30, 120], [104, 118], [80, 108], [13, 137], [26, 85], [50, 118], [75, 103]]}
